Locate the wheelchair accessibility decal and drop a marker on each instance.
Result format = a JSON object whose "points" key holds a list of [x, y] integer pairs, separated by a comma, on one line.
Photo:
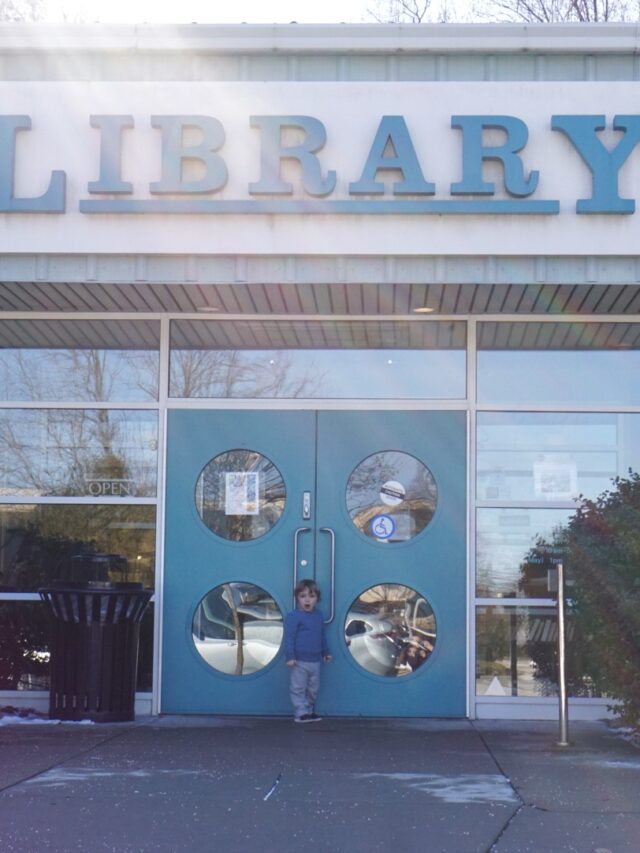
{"points": [[383, 526]]}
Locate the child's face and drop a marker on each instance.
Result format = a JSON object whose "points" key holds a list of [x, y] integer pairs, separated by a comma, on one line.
{"points": [[307, 600]]}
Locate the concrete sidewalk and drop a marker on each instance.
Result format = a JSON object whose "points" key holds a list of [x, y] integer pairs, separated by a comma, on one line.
{"points": [[255, 784]]}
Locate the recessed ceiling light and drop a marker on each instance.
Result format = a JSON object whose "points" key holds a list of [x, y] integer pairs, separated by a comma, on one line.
{"points": [[423, 310], [207, 309]]}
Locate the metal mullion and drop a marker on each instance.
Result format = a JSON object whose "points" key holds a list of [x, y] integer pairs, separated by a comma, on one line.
{"points": [[519, 504], [158, 315], [85, 315], [516, 602], [152, 405], [563, 408], [19, 596], [83, 500], [333, 404], [470, 391], [158, 598]]}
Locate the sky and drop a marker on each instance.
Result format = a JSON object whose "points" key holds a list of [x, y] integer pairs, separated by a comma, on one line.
{"points": [[209, 11]]}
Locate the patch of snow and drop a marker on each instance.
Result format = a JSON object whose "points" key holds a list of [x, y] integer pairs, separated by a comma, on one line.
{"points": [[59, 776], [41, 721], [466, 788]]}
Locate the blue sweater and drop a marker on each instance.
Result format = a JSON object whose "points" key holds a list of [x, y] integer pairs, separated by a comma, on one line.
{"points": [[304, 637]]}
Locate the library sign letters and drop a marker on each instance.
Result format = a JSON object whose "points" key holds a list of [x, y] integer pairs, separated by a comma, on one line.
{"points": [[274, 163]]}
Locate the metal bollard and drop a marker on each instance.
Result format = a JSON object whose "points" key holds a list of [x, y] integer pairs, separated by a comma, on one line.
{"points": [[563, 716]]}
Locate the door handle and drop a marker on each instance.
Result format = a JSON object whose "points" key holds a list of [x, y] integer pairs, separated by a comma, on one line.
{"points": [[332, 565], [296, 537]]}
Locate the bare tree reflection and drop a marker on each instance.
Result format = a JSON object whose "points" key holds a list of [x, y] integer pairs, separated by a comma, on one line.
{"points": [[394, 484], [94, 452], [249, 514], [241, 373], [99, 375], [75, 452]]}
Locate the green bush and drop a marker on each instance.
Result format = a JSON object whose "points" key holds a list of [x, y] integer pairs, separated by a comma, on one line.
{"points": [[603, 559]]}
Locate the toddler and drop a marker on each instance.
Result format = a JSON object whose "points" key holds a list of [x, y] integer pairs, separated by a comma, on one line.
{"points": [[305, 648]]}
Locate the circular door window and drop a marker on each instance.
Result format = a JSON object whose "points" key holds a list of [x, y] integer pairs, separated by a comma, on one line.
{"points": [[240, 495], [390, 630], [237, 628], [391, 496]]}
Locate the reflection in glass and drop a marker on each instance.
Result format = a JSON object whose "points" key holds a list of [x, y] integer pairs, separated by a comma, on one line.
{"points": [[514, 551], [144, 681], [24, 646], [390, 630], [78, 452], [25, 629], [391, 496], [46, 542], [517, 653], [240, 495], [313, 374], [553, 377], [318, 359], [77, 360], [553, 457], [237, 628], [91, 375]]}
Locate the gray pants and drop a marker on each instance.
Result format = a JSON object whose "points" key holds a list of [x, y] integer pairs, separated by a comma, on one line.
{"points": [[304, 684]]}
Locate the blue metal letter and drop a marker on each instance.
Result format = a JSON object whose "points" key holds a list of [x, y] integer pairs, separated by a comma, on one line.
{"points": [[273, 152], [474, 153], [53, 201], [392, 131], [110, 180], [603, 164], [174, 152]]}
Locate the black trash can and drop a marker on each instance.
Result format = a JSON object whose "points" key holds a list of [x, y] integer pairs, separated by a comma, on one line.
{"points": [[94, 649]]}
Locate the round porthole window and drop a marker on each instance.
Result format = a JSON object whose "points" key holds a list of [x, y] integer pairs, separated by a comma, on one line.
{"points": [[237, 628], [240, 495], [391, 496], [390, 630]]}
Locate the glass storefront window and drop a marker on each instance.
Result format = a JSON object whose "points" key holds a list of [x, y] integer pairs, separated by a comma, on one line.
{"points": [[40, 543], [582, 364], [240, 495], [556, 456], [311, 360], [24, 646], [79, 360], [515, 551], [516, 650], [78, 452], [237, 628], [25, 651], [391, 496]]}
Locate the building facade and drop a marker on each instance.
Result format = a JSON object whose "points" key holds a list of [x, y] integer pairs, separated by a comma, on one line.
{"points": [[357, 303]]}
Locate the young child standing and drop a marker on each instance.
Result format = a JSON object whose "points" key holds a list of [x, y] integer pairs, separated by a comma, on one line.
{"points": [[305, 648]]}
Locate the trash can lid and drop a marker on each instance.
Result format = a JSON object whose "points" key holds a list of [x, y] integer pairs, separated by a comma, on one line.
{"points": [[93, 586]]}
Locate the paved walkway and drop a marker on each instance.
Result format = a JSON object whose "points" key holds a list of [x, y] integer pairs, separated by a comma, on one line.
{"points": [[245, 785]]}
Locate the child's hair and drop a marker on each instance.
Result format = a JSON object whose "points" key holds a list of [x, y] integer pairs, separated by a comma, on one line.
{"points": [[307, 584]]}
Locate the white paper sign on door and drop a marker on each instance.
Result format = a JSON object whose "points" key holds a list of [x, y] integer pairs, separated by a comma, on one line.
{"points": [[241, 494]]}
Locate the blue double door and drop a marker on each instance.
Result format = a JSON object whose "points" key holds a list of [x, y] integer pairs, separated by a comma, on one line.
{"points": [[371, 504]]}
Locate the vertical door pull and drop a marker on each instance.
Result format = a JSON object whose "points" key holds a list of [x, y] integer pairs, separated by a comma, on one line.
{"points": [[332, 565], [296, 536]]}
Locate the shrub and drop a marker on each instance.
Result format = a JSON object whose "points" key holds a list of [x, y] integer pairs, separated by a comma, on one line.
{"points": [[603, 558]]}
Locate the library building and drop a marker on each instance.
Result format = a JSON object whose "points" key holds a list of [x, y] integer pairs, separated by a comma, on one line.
{"points": [[357, 303]]}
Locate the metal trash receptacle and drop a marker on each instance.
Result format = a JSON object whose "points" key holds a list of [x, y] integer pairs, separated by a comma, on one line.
{"points": [[94, 649]]}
